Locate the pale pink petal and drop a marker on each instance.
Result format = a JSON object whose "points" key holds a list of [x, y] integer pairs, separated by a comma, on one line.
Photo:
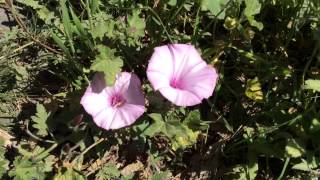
{"points": [[117, 106], [95, 98], [201, 81], [127, 115], [160, 67], [180, 97], [93, 103], [122, 82], [97, 84], [133, 94], [191, 79], [105, 117]]}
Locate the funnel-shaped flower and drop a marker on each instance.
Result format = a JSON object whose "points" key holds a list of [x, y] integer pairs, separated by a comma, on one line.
{"points": [[180, 74], [117, 106]]}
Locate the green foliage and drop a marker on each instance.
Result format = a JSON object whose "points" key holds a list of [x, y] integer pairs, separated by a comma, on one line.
{"points": [[253, 7], [108, 171], [295, 148], [40, 120], [108, 63], [180, 134], [69, 174], [263, 117], [3, 161], [312, 84], [253, 90], [160, 175], [217, 8]]}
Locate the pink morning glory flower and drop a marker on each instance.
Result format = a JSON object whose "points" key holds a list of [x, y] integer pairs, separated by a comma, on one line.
{"points": [[117, 106], [181, 75]]}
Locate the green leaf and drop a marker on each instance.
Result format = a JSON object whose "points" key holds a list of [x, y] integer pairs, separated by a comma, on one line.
{"points": [[194, 122], [68, 174], [295, 148], [156, 127], [26, 169], [61, 45], [253, 89], [160, 175], [179, 134], [215, 7], [252, 8], [40, 120], [32, 3], [107, 63], [108, 171], [312, 84], [136, 25], [172, 2]]}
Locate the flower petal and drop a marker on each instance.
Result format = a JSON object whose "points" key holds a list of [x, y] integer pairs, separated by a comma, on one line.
{"points": [[160, 68], [105, 118], [180, 97], [133, 93], [200, 81], [97, 84], [127, 115]]}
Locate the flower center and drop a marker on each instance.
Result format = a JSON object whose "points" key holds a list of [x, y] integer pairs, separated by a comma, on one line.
{"points": [[176, 83], [117, 100]]}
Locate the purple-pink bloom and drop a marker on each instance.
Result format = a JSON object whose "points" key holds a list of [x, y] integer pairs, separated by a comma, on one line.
{"points": [[181, 75], [117, 106]]}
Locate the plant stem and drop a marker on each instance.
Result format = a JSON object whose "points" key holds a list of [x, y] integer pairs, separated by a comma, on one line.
{"points": [[284, 168], [88, 149]]}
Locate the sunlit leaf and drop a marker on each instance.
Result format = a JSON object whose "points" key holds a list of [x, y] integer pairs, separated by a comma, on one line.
{"points": [[108, 63], [312, 84], [294, 148]]}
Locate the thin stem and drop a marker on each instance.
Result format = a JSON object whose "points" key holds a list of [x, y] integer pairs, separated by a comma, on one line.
{"points": [[18, 49], [25, 29], [36, 137], [284, 168], [88, 149], [177, 11], [45, 153], [161, 22]]}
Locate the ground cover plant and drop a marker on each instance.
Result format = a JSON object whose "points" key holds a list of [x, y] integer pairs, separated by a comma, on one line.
{"points": [[250, 111]]}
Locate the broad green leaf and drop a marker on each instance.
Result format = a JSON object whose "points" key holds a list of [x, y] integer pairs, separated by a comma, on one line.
{"points": [[172, 2], [294, 148], [252, 8], [136, 25], [40, 120], [156, 127], [215, 7], [194, 122], [107, 63], [26, 169], [312, 84]]}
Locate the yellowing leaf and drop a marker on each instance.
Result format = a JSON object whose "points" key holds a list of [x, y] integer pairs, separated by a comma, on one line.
{"points": [[253, 90]]}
